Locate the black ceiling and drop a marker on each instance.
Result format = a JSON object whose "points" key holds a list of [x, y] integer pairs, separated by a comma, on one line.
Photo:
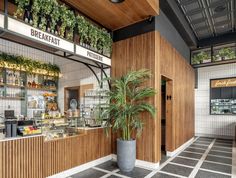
{"points": [[211, 21]]}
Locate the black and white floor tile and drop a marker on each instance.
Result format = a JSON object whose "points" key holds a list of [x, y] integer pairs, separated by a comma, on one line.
{"points": [[204, 158]]}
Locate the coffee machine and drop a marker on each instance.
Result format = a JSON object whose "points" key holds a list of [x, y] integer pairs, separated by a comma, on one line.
{"points": [[10, 123]]}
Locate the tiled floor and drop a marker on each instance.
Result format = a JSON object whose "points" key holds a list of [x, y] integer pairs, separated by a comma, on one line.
{"points": [[204, 158]]}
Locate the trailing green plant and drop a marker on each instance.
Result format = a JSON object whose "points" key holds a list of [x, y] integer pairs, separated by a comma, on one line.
{"points": [[227, 52], [107, 46], [127, 101], [68, 21], [46, 10], [50, 10], [199, 57], [55, 16], [36, 7], [21, 4], [93, 35], [83, 28], [28, 64]]}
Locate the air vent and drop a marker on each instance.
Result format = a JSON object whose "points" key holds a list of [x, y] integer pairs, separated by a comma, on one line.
{"points": [[220, 8]]}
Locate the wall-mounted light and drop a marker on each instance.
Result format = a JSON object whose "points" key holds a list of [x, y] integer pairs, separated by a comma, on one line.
{"points": [[117, 1]]}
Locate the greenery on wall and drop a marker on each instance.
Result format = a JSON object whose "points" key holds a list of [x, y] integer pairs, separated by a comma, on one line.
{"points": [[199, 57], [27, 64], [226, 53], [60, 20]]}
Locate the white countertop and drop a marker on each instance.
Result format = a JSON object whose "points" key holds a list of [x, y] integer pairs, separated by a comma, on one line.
{"points": [[18, 138]]}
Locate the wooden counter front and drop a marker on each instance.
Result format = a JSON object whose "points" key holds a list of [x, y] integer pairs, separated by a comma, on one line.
{"points": [[35, 158]]}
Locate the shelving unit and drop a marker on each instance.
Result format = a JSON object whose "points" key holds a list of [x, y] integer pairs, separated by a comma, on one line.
{"points": [[93, 102], [16, 87]]}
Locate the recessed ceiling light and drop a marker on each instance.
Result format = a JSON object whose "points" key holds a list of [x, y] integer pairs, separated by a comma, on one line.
{"points": [[220, 8], [117, 1]]}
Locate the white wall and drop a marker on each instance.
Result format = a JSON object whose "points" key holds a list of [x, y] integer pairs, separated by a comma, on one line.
{"points": [[206, 124], [14, 48], [74, 73]]}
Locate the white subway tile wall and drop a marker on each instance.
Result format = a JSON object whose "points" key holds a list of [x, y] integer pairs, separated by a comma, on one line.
{"points": [[206, 124], [74, 73]]}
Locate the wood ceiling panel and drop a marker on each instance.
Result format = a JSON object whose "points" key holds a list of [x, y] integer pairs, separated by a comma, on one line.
{"points": [[115, 16]]}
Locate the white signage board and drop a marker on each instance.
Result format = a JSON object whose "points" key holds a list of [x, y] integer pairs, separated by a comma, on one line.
{"points": [[39, 35], [1, 21], [81, 51]]}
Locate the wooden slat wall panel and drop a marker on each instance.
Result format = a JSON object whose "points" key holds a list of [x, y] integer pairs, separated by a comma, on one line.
{"points": [[21, 158], [62, 154], [176, 68], [136, 53], [152, 51]]}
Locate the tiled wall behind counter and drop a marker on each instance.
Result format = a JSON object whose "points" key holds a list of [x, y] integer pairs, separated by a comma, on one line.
{"points": [[74, 73], [206, 124], [17, 49]]}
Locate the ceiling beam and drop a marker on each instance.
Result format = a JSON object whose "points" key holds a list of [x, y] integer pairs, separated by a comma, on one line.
{"points": [[222, 39], [177, 18]]}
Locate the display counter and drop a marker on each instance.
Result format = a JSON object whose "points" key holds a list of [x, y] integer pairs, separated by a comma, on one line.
{"points": [[28, 157]]}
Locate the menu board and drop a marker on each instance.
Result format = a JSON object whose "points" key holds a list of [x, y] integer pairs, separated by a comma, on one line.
{"points": [[39, 35], [223, 96], [228, 82]]}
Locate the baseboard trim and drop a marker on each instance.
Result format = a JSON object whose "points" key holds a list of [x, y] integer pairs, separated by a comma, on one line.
{"points": [[182, 147], [141, 163], [82, 167], [214, 136]]}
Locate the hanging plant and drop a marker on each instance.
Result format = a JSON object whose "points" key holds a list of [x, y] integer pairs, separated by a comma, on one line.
{"points": [[107, 46], [46, 11], [93, 36], [101, 40], [55, 16], [21, 4], [70, 24], [29, 65], [36, 7], [83, 29], [63, 10]]}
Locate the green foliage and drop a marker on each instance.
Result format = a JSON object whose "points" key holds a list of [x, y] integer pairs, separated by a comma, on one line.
{"points": [[199, 57], [28, 64], [227, 52], [83, 28], [90, 34], [21, 4], [36, 7], [127, 101]]}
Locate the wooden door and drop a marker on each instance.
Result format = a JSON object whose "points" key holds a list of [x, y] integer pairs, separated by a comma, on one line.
{"points": [[169, 119]]}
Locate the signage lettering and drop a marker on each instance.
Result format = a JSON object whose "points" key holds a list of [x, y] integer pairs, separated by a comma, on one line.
{"points": [[230, 82], [94, 56], [45, 37]]}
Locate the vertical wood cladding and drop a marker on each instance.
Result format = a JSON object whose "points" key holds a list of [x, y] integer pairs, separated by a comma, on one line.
{"points": [[22, 158], [34, 158], [153, 52]]}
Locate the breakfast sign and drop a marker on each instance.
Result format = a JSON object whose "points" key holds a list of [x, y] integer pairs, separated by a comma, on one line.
{"points": [[39, 35], [220, 83]]}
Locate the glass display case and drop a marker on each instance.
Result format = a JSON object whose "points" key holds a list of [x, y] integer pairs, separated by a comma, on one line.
{"points": [[94, 101], [223, 96], [223, 106], [57, 126]]}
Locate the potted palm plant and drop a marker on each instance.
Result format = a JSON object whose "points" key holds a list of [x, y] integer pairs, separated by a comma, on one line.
{"points": [[127, 100]]}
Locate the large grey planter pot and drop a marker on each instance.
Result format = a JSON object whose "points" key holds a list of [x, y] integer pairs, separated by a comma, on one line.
{"points": [[126, 155]]}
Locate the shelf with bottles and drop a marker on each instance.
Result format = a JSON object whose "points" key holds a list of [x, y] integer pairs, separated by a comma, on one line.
{"points": [[41, 82]]}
